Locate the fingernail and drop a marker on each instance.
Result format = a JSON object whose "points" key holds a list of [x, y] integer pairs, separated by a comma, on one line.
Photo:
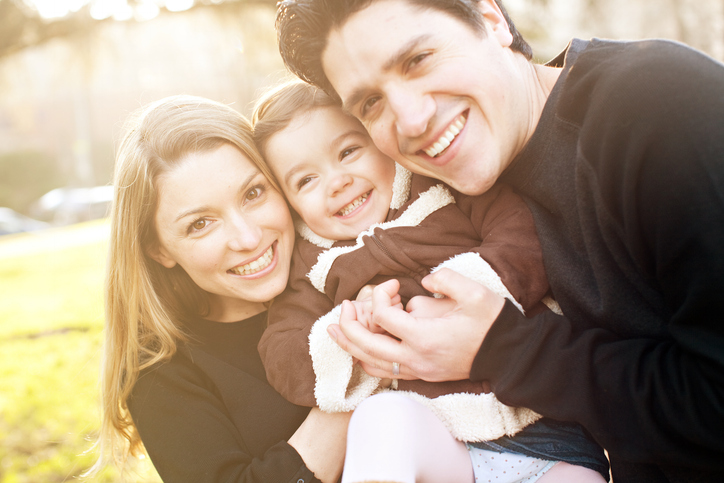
{"points": [[332, 333]]}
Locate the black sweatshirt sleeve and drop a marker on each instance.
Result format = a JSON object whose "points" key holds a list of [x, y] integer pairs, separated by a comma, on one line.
{"points": [[191, 437]]}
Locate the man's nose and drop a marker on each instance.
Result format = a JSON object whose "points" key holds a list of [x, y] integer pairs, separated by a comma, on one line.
{"points": [[412, 111]]}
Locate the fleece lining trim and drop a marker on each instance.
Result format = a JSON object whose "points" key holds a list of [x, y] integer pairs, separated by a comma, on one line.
{"points": [[342, 385]]}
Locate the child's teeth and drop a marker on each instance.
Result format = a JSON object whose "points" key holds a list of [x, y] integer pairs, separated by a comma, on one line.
{"points": [[352, 206]]}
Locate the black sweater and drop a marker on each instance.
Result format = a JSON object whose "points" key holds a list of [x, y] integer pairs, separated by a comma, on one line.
{"points": [[209, 415], [625, 178]]}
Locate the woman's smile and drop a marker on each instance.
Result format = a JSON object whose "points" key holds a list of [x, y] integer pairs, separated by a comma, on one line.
{"points": [[257, 267]]}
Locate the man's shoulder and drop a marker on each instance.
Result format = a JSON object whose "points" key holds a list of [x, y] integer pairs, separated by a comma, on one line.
{"points": [[622, 81]]}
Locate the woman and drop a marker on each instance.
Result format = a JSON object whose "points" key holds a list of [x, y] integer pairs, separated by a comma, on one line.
{"points": [[200, 242]]}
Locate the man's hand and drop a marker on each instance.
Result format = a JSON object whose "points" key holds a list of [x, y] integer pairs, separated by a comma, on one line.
{"points": [[438, 339]]}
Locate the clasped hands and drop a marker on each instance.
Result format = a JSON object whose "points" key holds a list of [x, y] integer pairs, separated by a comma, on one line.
{"points": [[434, 339]]}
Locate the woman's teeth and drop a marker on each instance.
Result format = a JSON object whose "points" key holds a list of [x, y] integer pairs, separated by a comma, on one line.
{"points": [[259, 264], [353, 206], [441, 144]]}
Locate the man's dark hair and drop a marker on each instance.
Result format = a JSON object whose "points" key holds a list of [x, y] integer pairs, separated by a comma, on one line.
{"points": [[304, 25]]}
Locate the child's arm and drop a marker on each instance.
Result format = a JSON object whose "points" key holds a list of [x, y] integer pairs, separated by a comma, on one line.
{"points": [[284, 346], [509, 243]]}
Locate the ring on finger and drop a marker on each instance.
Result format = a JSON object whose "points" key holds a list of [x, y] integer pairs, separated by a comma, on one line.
{"points": [[395, 368]]}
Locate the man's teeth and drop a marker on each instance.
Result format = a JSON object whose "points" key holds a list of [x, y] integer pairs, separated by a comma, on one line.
{"points": [[441, 144], [259, 264], [352, 206]]}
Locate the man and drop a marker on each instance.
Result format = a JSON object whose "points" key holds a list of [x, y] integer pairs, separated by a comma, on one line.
{"points": [[618, 149]]}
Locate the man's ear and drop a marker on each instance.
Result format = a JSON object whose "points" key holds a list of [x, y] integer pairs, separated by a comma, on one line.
{"points": [[495, 22], [158, 253]]}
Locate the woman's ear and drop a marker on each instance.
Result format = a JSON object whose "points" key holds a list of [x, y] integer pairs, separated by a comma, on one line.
{"points": [[495, 22], [159, 253]]}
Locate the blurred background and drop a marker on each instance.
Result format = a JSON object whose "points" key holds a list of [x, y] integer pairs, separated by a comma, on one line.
{"points": [[70, 73]]}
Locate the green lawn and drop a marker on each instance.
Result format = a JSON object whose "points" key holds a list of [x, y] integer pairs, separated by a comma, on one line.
{"points": [[51, 323]]}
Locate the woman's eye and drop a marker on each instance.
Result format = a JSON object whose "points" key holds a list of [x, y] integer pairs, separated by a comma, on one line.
{"points": [[346, 152], [199, 224], [254, 193]]}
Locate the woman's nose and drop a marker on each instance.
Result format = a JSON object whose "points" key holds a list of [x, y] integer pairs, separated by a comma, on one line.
{"points": [[243, 234]]}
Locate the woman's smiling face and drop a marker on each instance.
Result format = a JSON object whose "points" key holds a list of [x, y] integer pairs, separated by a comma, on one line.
{"points": [[220, 219]]}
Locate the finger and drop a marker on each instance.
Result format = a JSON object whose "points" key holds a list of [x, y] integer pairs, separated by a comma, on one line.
{"points": [[375, 349], [383, 294], [365, 292], [370, 364], [422, 306], [386, 373], [451, 284]]}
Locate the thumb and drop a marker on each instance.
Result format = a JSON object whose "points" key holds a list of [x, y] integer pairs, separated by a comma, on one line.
{"points": [[451, 284]]}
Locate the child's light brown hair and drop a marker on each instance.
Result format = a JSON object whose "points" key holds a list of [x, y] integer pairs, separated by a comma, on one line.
{"points": [[276, 108]]}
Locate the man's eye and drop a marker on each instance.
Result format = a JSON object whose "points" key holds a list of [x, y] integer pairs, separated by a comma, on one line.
{"points": [[417, 59], [369, 104]]}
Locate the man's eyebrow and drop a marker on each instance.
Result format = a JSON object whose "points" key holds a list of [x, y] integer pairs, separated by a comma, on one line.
{"points": [[395, 59], [201, 209]]}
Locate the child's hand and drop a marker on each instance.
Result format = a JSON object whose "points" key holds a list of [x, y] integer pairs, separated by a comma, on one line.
{"points": [[429, 307], [363, 307]]}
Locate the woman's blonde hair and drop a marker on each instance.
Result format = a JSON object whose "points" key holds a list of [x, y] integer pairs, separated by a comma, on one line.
{"points": [[144, 300], [276, 108]]}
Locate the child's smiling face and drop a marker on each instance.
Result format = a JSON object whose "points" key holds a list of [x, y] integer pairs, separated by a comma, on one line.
{"points": [[332, 173]]}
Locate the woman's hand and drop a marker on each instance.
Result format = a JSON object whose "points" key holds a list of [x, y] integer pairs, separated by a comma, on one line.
{"points": [[321, 441]]}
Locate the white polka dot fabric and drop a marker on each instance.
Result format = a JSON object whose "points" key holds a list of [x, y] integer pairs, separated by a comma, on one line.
{"points": [[494, 467]]}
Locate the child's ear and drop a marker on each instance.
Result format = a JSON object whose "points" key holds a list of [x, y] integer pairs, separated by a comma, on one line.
{"points": [[159, 253]]}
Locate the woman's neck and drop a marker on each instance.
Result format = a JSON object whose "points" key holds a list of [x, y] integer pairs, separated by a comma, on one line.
{"points": [[232, 311]]}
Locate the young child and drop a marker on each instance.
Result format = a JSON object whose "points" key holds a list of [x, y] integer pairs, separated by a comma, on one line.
{"points": [[364, 220]]}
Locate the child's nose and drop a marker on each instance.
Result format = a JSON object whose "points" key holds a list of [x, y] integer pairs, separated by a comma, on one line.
{"points": [[339, 182]]}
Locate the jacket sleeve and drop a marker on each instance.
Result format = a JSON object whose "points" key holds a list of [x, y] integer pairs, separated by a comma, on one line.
{"points": [[655, 398], [284, 346], [509, 243], [190, 436]]}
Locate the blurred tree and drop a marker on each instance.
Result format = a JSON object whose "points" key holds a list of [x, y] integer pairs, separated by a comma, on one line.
{"points": [[22, 27]]}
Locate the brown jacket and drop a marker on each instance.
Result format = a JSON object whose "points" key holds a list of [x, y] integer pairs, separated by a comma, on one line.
{"points": [[432, 226]]}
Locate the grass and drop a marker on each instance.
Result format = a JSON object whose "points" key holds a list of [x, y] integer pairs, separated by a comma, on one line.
{"points": [[51, 323]]}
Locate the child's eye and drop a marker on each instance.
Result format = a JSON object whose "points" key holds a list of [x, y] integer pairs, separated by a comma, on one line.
{"points": [[347, 151], [303, 181]]}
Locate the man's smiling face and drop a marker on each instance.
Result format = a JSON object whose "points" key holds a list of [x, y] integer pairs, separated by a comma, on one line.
{"points": [[435, 94]]}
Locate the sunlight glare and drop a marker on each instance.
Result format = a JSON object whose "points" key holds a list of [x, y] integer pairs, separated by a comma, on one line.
{"points": [[56, 8], [179, 5]]}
